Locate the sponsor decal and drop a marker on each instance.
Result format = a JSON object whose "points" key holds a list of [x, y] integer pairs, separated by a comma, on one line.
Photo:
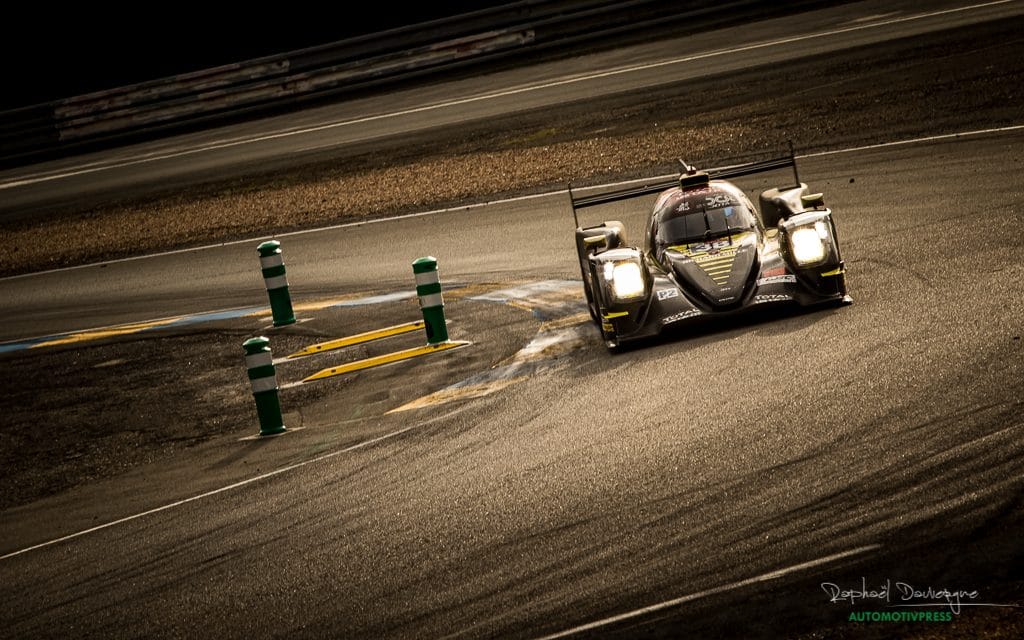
{"points": [[777, 280], [665, 294], [772, 297], [717, 255], [692, 313], [717, 201], [718, 248]]}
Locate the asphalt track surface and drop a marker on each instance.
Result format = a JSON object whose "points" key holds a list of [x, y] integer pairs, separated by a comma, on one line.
{"points": [[703, 487]]}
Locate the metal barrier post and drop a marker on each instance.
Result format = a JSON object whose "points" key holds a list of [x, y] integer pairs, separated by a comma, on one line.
{"points": [[428, 288], [260, 362], [272, 264]]}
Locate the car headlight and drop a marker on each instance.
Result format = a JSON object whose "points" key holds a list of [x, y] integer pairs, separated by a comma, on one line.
{"points": [[626, 280], [809, 244]]}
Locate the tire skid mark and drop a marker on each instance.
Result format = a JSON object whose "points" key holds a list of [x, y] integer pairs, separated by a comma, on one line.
{"points": [[559, 305]]}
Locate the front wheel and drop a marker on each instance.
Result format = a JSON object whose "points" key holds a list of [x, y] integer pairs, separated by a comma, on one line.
{"points": [[610, 338], [591, 305], [613, 346]]}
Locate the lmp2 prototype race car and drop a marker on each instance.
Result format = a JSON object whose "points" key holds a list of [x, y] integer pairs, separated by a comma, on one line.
{"points": [[708, 254]]}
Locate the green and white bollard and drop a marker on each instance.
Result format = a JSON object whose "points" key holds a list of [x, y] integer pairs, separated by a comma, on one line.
{"points": [[260, 362], [277, 283], [428, 288]]}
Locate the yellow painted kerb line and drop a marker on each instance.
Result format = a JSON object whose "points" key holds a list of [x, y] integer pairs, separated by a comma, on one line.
{"points": [[387, 358], [97, 334], [360, 338], [458, 393], [317, 305]]}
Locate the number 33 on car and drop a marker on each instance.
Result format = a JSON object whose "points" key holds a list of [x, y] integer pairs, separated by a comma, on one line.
{"points": [[708, 253]]}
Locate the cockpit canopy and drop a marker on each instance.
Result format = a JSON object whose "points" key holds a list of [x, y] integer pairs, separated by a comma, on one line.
{"points": [[687, 216]]}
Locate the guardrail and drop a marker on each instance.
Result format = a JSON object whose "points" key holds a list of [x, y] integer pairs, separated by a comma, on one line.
{"points": [[255, 86]]}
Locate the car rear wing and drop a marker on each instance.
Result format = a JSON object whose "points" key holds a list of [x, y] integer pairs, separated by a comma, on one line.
{"points": [[718, 173]]}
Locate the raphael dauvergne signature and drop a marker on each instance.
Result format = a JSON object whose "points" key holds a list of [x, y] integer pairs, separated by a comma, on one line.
{"points": [[894, 593]]}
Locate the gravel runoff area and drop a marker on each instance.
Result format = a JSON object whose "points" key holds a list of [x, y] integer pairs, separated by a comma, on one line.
{"points": [[931, 84]]}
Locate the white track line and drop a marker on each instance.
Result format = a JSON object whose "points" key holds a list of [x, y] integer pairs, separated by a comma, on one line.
{"points": [[507, 200], [491, 203], [86, 169], [413, 215], [711, 592], [946, 136], [236, 485], [425, 213]]}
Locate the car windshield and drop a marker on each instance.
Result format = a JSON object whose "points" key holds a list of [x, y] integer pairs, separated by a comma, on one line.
{"points": [[703, 223]]}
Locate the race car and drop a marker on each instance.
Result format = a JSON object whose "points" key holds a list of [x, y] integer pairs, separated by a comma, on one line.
{"points": [[708, 253]]}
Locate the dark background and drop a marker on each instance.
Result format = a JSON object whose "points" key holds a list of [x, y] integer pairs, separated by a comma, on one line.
{"points": [[50, 52]]}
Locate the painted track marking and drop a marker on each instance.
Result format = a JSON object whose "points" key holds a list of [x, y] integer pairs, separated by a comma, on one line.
{"points": [[236, 485], [175, 322], [330, 455], [765, 577], [491, 203]]}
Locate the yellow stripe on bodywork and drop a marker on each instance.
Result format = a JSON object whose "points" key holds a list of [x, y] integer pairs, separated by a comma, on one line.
{"points": [[360, 338], [726, 268], [388, 358], [617, 314], [720, 270], [835, 272], [98, 334]]}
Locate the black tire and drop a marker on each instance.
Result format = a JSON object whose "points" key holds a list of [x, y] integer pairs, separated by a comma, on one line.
{"points": [[613, 346], [610, 339], [591, 306]]}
